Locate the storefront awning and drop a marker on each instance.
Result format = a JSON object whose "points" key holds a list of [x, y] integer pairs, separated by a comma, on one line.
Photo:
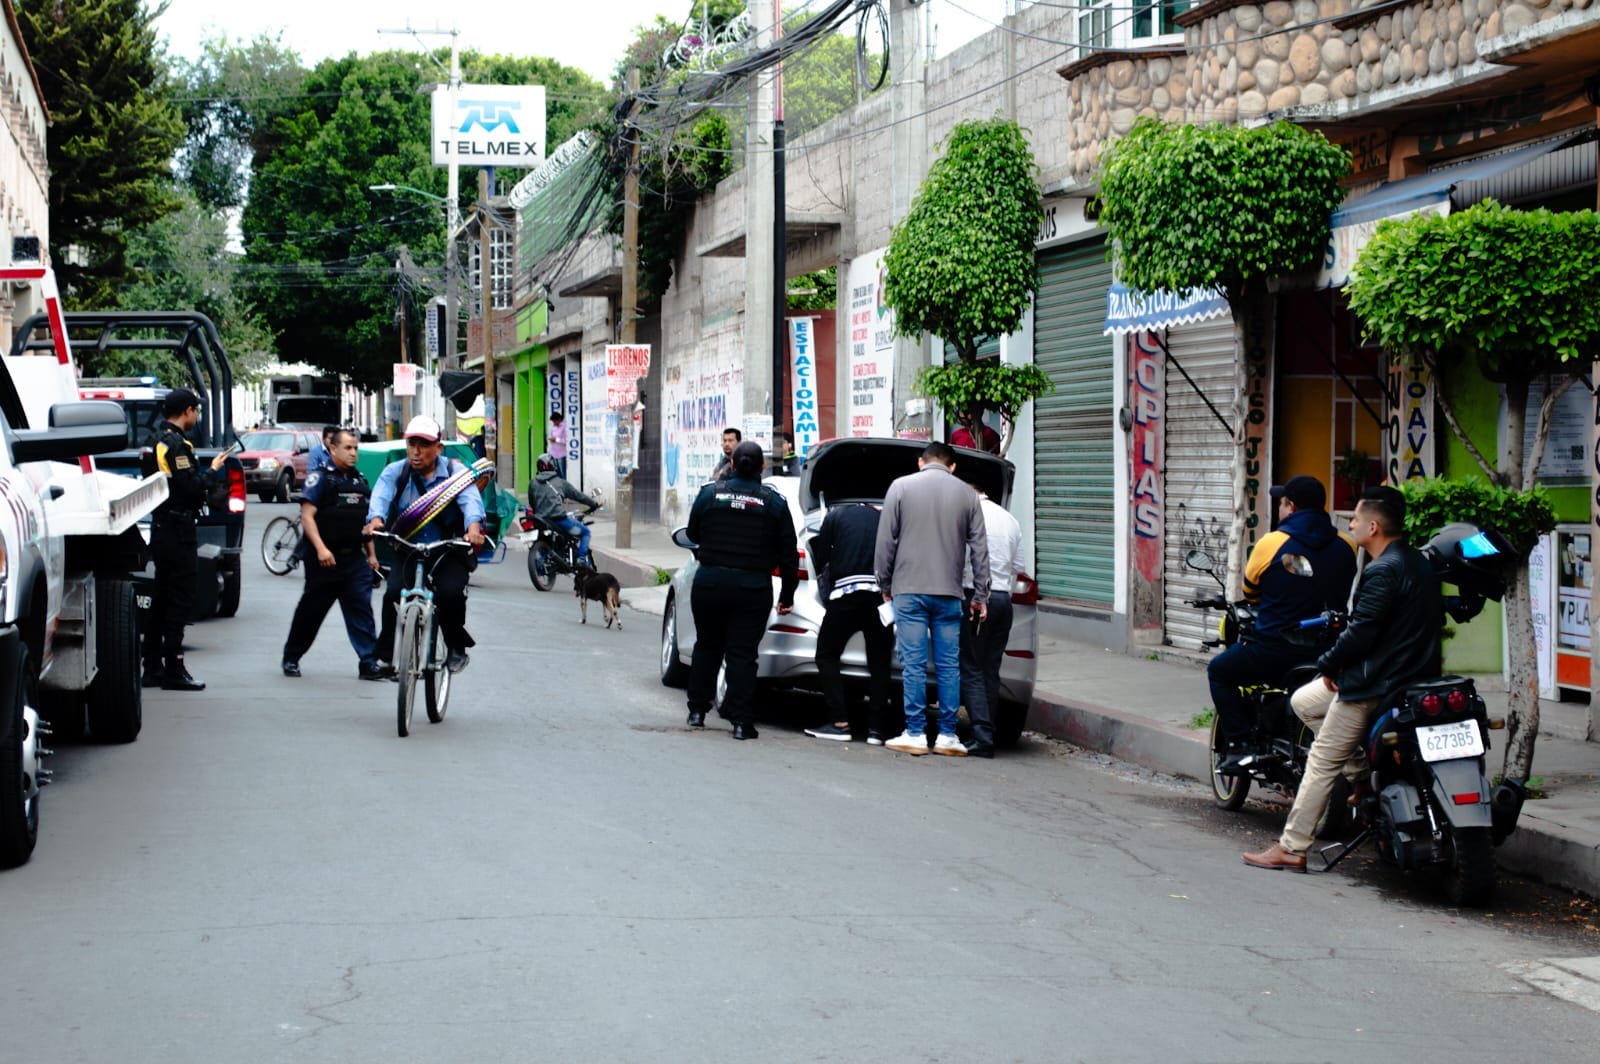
{"points": [[1129, 311], [1352, 225]]}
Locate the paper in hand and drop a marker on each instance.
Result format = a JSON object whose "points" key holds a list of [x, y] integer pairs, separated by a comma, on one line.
{"points": [[886, 614]]}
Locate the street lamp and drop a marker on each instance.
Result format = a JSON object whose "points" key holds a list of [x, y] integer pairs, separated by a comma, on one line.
{"points": [[447, 350]]}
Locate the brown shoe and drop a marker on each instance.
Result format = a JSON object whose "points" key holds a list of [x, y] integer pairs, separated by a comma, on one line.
{"points": [[1276, 858]]}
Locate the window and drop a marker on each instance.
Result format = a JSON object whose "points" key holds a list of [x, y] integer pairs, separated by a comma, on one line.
{"points": [[1152, 20], [502, 245], [1094, 25], [1104, 24]]}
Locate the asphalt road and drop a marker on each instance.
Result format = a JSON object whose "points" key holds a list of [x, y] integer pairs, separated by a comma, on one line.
{"points": [[562, 872]]}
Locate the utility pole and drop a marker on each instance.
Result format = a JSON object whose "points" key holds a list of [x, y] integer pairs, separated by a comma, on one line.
{"points": [[491, 423], [759, 255], [629, 331], [405, 400], [907, 164], [780, 257]]}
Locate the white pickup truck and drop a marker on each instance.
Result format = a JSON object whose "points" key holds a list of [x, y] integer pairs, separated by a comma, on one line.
{"points": [[69, 544]]}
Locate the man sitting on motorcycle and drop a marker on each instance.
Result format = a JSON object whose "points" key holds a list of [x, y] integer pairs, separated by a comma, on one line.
{"points": [[547, 496], [1282, 599], [1392, 639]]}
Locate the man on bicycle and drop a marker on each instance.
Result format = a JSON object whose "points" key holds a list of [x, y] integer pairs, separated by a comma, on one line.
{"points": [[399, 487], [548, 493], [1282, 600]]}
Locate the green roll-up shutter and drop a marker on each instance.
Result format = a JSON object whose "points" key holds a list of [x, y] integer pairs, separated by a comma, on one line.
{"points": [[1074, 433]]}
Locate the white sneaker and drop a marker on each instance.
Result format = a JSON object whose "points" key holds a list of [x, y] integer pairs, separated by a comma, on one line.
{"points": [[907, 743], [949, 746]]}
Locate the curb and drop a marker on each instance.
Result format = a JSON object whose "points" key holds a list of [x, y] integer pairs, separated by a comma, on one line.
{"points": [[628, 572], [1540, 849]]}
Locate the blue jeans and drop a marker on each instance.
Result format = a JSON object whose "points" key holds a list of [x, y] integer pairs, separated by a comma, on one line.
{"points": [[576, 529], [916, 619]]}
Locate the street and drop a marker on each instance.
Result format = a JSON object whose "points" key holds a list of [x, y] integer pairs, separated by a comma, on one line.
{"points": [[561, 871]]}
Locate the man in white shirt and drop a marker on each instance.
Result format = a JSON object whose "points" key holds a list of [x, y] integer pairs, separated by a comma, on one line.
{"points": [[983, 640]]}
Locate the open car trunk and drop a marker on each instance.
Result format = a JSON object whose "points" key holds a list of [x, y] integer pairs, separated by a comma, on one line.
{"points": [[860, 469]]}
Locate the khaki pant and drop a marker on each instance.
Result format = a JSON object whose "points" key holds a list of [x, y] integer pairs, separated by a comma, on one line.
{"points": [[1339, 748]]}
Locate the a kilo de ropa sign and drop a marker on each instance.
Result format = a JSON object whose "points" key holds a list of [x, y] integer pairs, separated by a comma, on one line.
{"points": [[625, 365]]}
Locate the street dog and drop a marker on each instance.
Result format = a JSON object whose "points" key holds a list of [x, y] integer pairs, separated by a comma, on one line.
{"points": [[602, 588]]}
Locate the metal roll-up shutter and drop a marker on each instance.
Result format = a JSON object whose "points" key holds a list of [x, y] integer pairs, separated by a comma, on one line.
{"points": [[1198, 483], [1074, 431]]}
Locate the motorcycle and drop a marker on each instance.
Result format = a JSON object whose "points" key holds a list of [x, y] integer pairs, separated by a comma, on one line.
{"points": [[551, 552], [1275, 758], [1432, 809]]}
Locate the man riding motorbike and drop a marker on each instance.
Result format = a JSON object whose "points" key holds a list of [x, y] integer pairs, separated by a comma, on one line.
{"points": [[547, 495], [1282, 601]]}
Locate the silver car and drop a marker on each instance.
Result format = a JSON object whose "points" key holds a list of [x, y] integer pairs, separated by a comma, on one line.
{"points": [[848, 471]]}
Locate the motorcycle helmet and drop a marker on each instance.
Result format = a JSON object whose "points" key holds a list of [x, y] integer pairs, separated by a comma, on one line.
{"points": [[1476, 560], [546, 463]]}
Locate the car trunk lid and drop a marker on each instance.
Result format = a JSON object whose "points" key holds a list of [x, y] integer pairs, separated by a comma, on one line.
{"points": [[860, 469]]}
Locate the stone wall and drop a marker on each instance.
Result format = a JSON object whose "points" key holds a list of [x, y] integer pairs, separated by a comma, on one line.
{"points": [[1300, 60]]}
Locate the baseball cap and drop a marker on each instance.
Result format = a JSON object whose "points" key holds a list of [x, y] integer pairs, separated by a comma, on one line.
{"points": [[423, 427], [1307, 493]]}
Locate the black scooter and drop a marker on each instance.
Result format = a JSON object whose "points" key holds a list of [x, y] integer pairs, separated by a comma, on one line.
{"points": [[1432, 809]]}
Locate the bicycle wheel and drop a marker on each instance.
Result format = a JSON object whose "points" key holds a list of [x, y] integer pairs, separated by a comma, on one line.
{"points": [[279, 543], [436, 677], [408, 663]]}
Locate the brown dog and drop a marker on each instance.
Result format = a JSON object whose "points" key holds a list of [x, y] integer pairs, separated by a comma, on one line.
{"points": [[602, 588]]}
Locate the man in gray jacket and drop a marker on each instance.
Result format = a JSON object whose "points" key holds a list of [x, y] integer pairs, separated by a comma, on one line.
{"points": [[931, 524]]}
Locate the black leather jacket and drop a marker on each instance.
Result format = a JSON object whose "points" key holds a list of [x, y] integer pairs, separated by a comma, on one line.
{"points": [[1394, 631]]}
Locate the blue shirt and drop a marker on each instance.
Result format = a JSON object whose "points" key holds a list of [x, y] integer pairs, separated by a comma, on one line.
{"points": [[318, 458], [396, 477]]}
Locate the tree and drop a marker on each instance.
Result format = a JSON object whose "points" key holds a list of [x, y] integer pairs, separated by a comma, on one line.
{"points": [[113, 130], [960, 266], [1225, 207], [184, 264], [323, 248], [1510, 293]]}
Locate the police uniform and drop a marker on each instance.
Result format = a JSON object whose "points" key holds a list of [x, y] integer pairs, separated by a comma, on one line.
{"points": [[340, 500], [744, 531], [174, 548]]}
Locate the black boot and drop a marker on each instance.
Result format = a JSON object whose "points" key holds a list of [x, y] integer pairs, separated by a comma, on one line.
{"points": [[177, 678], [154, 674]]}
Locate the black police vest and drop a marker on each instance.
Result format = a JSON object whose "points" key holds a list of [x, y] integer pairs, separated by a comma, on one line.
{"points": [[186, 487], [343, 510], [736, 529]]}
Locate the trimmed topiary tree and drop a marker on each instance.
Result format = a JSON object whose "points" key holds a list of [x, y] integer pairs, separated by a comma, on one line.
{"points": [[1510, 294], [1221, 207], [960, 265]]}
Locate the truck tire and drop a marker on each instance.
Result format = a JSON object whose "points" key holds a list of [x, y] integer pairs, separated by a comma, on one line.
{"points": [[228, 601], [285, 485], [19, 783], [116, 697]]}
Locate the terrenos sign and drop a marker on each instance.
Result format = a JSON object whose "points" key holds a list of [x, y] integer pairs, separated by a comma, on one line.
{"points": [[490, 125]]}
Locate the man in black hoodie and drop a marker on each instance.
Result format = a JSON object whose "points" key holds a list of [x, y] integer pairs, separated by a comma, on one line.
{"points": [[1282, 600], [842, 554]]}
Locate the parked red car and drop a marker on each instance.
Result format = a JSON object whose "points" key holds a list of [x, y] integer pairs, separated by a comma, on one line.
{"points": [[274, 461]]}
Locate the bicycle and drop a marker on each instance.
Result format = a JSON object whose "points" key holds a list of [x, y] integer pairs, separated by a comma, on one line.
{"points": [[280, 544], [420, 656]]}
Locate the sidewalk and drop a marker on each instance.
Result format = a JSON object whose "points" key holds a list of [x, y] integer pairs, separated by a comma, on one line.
{"points": [[1139, 708]]}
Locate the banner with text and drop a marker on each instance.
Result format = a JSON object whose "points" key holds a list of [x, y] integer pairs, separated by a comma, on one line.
{"points": [[625, 364], [870, 407], [803, 384]]}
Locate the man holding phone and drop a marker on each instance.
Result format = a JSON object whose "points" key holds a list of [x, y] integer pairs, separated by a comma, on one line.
{"points": [[931, 528]]}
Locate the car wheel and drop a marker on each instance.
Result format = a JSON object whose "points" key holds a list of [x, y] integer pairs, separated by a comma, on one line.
{"points": [[264, 496], [19, 767], [285, 483], [1009, 720], [228, 603], [674, 673]]}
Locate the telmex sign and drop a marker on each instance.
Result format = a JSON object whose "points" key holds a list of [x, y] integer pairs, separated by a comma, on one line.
{"points": [[492, 125]]}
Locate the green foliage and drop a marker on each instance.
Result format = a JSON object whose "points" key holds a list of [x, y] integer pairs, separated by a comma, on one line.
{"points": [[1217, 206], [1201, 721], [961, 264], [1521, 516], [113, 130], [184, 264], [986, 384], [814, 291], [1513, 289]]}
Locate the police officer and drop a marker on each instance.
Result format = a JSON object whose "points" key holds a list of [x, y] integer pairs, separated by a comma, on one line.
{"points": [[173, 544], [334, 509], [744, 531]]}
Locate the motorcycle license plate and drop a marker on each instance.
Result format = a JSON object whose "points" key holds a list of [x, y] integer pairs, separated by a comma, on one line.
{"points": [[1445, 742]]}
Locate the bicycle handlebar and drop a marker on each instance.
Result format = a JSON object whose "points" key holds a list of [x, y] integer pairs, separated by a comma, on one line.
{"points": [[428, 548]]}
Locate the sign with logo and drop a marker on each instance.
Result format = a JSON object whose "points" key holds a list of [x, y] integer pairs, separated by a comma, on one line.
{"points": [[491, 125], [625, 364], [803, 383], [405, 378]]}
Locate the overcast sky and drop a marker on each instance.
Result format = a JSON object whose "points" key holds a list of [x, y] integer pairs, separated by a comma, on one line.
{"points": [[587, 34]]}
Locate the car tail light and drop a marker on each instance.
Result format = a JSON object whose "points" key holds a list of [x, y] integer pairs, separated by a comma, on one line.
{"points": [[1456, 700], [787, 629], [1024, 591], [1019, 654], [235, 488], [801, 562], [1431, 705], [1466, 799]]}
